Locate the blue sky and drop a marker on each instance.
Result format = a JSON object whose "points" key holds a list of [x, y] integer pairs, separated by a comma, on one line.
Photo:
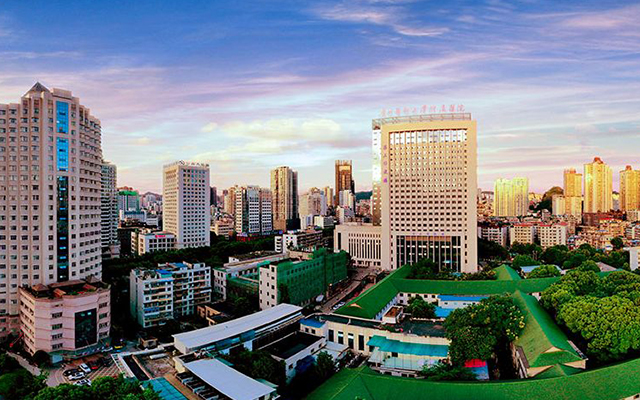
{"points": [[250, 85]]}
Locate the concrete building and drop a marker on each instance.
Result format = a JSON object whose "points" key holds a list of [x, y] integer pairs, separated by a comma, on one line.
{"points": [[109, 211], [328, 194], [244, 266], [598, 187], [511, 197], [223, 227], [284, 192], [50, 195], [230, 201], [145, 241], [253, 210], [185, 196], [572, 192], [429, 183], [171, 291], [307, 239], [494, 233], [363, 242], [552, 234], [323, 222], [347, 199], [299, 282], [65, 319], [629, 189], [522, 233]]}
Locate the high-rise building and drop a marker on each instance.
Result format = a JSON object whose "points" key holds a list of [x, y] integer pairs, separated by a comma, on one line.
{"points": [[511, 197], [344, 178], [253, 212], [109, 211], [428, 190], [598, 187], [128, 202], [313, 203], [572, 183], [186, 210], [629, 189], [230, 200], [328, 194], [50, 214], [284, 191], [376, 175], [213, 196]]}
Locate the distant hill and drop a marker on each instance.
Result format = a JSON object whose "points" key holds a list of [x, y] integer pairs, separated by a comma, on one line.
{"points": [[363, 195]]}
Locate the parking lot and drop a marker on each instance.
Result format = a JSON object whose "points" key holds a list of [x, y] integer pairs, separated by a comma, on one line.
{"points": [[56, 375]]}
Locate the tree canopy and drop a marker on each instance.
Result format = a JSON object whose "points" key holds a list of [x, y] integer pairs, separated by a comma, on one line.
{"points": [[103, 388], [477, 330], [544, 271], [419, 308]]}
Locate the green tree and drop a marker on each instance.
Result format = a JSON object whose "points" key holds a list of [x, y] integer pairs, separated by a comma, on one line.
{"points": [[617, 243], [555, 255], [588, 266], [423, 269], [489, 250], [41, 358], [447, 372], [575, 260], [419, 308], [476, 330], [544, 271], [523, 260], [325, 366]]}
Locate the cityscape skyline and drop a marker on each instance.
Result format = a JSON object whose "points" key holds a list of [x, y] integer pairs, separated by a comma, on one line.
{"points": [[525, 91]]}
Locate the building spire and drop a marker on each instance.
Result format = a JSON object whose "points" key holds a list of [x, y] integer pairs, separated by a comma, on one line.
{"points": [[38, 88]]}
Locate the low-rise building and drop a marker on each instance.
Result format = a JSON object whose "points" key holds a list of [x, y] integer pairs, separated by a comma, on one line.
{"points": [[494, 233], [299, 282], [361, 241], [522, 233], [241, 267], [148, 241], [298, 240], [65, 319], [223, 227], [552, 235], [171, 291]]}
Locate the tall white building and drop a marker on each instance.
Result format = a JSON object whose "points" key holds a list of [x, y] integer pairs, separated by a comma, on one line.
{"points": [[313, 203], [50, 196], [253, 210], [428, 190], [109, 211], [185, 197]]}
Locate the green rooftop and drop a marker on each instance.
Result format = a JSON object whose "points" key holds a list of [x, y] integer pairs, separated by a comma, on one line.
{"points": [[542, 341], [610, 383], [372, 301]]}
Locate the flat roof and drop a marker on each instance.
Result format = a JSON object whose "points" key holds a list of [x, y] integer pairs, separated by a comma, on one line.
{"points": [[227, 380], [189, 341]]}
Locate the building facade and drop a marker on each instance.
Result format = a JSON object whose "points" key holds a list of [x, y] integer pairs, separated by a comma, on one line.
{"points": [[429, 183], [186, 211], [344, 178], [65, 318], [552, 235], [629, 189], [524, 233], [598, 187], [253, 210], [145, 241], [363, 242], [284, 192], [307, 239], [511, 197], [50, 195], [173, 290], [109, 211]]}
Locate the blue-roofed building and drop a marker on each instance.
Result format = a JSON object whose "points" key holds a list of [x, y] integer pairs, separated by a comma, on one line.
{"points": [[165, 390], [404, 358]]}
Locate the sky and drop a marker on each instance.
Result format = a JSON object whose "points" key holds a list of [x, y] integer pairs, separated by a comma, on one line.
{"points": [[250, 85]]}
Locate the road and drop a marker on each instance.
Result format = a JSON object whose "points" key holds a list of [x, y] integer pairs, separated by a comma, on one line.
{"points": [[361, 273], [56, 376]]}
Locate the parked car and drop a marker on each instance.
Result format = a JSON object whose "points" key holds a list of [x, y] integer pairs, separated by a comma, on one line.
{"points": [[105, 361], [77, 375], [84, 368], [71, 371], [94, 365], [84, 382], [106, 349]]}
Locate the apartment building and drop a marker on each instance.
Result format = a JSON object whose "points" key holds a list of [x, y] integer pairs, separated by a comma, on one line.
{"points": [[494, 233], [109, 211], [186, 208], [598, 187], [428, 190], [299, 240], [285, 201], [551, 235], [170, 291], [524, 233], [253, 210], [511, 197], [363, 242]]}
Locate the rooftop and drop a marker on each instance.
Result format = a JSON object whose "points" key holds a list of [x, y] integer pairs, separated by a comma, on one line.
{"points": [[227, 380], [403, 119], [199, 338], [68, 288], [610, 383], [292, 344]]}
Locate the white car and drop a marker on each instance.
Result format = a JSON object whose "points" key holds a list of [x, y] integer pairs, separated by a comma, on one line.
{"points": [[77, 375], [85, 368], [84, 382]]}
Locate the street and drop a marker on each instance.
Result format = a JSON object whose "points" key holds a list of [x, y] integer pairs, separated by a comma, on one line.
{"points": [[361, 273]]}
